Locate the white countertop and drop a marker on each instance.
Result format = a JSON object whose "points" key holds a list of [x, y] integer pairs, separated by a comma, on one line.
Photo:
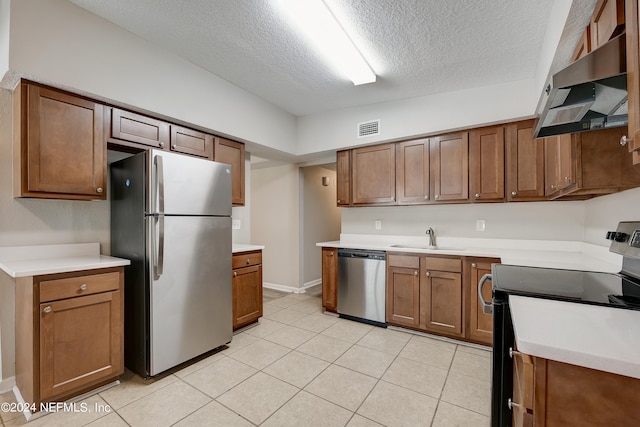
{"points": [[23, 261], [596, 337], [531, 253], [237, 248]]}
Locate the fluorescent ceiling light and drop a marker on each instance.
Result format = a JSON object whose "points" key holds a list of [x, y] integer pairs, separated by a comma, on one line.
{"points": [[313, 18]]}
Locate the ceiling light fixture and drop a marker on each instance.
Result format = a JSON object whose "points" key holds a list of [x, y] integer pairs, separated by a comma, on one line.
{"points": [[315, 19]]}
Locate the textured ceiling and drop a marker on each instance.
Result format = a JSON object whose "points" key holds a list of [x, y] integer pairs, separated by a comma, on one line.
{"points": [[416, 47]]}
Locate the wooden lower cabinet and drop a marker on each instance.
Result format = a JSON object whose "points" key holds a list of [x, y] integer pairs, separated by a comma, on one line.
{"points": [[549, 393], [480, 328], [403, 290], [330, 279], [71, 333], [441, 296], [247, 288]]}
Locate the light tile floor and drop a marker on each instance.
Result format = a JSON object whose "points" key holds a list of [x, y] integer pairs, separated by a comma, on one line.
{"points": [[300, 367]]}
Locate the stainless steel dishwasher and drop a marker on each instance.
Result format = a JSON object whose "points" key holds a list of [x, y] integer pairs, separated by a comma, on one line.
{"points": [[362, 285]]}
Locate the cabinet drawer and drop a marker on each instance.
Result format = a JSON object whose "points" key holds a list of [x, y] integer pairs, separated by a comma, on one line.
{"points": [[406, 261], [246, 258], [70, 287], [453, 265]]}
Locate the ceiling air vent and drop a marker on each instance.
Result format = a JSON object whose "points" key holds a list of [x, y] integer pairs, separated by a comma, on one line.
{"points": [[368, 128]]}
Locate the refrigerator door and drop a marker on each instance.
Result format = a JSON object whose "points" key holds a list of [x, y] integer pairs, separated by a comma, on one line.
{"points": [[190, 300], [187, 185]]}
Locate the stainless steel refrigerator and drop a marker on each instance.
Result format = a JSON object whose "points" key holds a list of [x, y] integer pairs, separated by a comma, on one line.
{"points": [[171, 216]]}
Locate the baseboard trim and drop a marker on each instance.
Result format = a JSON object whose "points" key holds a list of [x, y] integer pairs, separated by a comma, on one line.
{"points": [[291, 289], [7, 384]]}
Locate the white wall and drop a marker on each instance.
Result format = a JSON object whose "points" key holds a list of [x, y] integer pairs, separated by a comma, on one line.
{"points": [[320, 220], [530, 220], [57, 42], [602, 214], [4, 36], [275, 223]]}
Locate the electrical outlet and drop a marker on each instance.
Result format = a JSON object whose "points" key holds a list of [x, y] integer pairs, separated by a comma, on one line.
{"points": [[235, 224], [480, 226], [378, 224]]}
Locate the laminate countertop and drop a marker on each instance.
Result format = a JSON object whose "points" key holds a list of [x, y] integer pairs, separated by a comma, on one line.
{"points": [[239, 248]]}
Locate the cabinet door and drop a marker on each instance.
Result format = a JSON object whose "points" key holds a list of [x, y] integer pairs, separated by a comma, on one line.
{"points": [[63, 147], [132, 127], [632, 25], [584, 45], [81, 343], [523, 389], [525, 163], [480, 324], [343, 177], [247, 295], [450, 167], [189, 141], [552, 165], [441, 302], [412, 172], [486, 164], [330, 279], [607, 21], [403, 296], [374, 174], [232, 153], [560, 164]]}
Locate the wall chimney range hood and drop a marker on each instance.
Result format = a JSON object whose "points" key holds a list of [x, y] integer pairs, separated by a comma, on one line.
{"points": [[589, 94]]}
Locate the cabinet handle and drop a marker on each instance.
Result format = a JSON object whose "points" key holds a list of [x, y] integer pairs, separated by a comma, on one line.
{"points": [[99, 189], [235, 274], [47, 309], [83, 287], [474, 265], [161, 144], [624, 140], [477, 196], [511, 404], [514, 193], [428, 274]]}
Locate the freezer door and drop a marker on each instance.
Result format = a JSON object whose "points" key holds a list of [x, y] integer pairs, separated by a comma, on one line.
{"points": [[190, 301], [183, 185]]}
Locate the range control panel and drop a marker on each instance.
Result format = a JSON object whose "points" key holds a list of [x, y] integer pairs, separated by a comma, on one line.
{"points": [[626, 239]]}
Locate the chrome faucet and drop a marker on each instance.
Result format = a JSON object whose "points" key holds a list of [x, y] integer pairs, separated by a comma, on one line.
{"points": [[432, 237]]}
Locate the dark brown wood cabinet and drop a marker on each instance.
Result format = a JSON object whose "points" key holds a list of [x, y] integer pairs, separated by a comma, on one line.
{"points": [[61, 145], [441, 295], [607, 21], [524, 163], [551, 393], [138, 129], [71, 333], [480, 328], [189, 141], [584, 45], [247, 288], [632, 24], [232, 153], [560, 164], [450, 167], [330, 279], [486, 164], [412, 172], [343, 177], [403, 290], [373, 174]]}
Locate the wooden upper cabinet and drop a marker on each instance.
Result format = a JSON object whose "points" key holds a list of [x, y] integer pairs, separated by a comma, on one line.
{"points": [[373, 170], [343, 177], [412, 172], [633, 77], [139, 129], [486, 164], [61, 144], [189, 141], [607, 21], [584, 45], [450, 167], [232, 153], [560, 163], [524, 163]]}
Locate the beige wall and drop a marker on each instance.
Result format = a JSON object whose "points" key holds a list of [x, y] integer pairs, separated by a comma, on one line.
{"points": [[320, 219], [602, 214]]}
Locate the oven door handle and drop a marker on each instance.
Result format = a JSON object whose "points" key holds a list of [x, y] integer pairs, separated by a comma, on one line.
{"points": [[487, 307]]}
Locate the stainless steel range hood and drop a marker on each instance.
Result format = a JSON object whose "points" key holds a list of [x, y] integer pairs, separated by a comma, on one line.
{"points": [[589, 94]]}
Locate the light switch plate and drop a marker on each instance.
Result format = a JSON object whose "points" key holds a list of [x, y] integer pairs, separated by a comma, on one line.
{"points": [[235, 224], [378, 224], [480, 226]]}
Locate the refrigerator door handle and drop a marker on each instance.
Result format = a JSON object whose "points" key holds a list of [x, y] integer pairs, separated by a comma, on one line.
{"points": [[159, 265]]}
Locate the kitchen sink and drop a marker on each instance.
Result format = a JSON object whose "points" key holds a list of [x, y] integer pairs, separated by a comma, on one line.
{"points": [[431, 248]]}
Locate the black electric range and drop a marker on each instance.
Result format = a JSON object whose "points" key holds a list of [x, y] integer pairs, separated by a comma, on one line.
{"points": [[618, 290]]}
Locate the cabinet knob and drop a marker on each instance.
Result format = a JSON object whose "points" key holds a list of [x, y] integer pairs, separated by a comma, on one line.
{"points": [[338, 200], [437, 196], [235, 274], [99, 190], [477, 196], [426, 197], [415, 273], [161, 144], [83, 287], [567, 178], [514, 193], [174, 146], [624, 140], [428, 274], [474, 265], [47, 309], [511, 404], [553, 186], [248, 261]]}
